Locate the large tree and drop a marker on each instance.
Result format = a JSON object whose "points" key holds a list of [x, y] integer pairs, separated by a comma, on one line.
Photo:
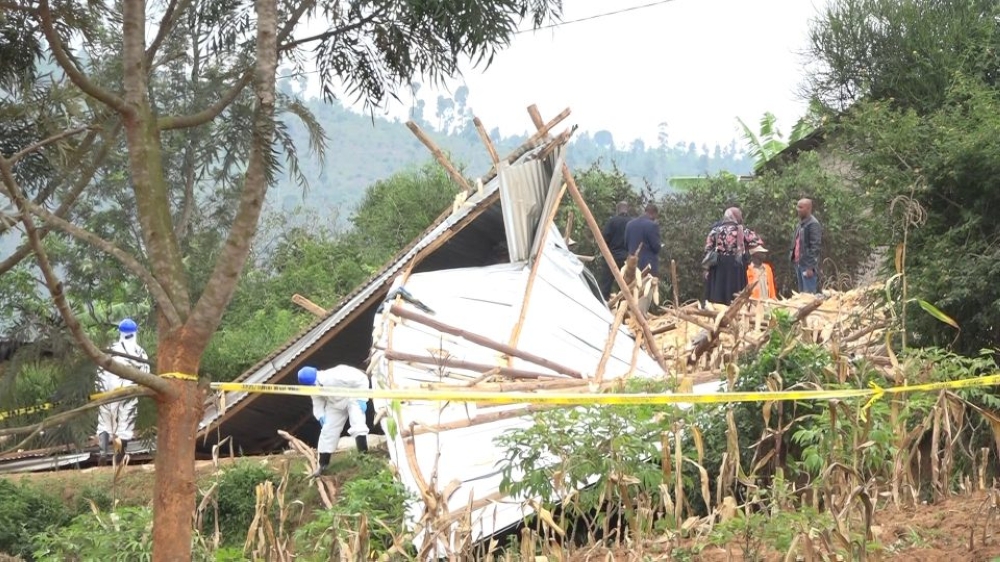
{"points": [[110, 79]]}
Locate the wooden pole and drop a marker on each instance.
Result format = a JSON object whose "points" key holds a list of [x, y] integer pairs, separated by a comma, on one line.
{"points": [[505, 386], [595, 229], [609, 344], [440, 157], [515, 335], [673, 283], [417, 429], [633, 304], [485, 137], [529, 144], [484, 341], [309, 305], [465, 365]]}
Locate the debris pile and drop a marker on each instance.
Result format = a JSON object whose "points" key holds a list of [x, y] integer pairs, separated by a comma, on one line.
{"points": [[699, 341]]}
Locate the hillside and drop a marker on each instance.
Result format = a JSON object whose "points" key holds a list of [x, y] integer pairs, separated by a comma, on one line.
{"points": [[362, 149]]}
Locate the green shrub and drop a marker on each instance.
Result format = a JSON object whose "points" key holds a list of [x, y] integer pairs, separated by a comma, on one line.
{"points": [[377, 494], [24, 512], [236, 500], [125, 535]]}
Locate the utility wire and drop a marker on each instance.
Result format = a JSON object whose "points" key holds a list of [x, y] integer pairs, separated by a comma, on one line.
{"points": [[596, 16]]}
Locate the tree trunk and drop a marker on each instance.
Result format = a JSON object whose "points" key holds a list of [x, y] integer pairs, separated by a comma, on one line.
{"points": [[174, 497]]}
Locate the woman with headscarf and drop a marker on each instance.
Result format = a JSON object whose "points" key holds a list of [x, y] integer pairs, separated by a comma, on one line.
{"points": [[731, 242]]}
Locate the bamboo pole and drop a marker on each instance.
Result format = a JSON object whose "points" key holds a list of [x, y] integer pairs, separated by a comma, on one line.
{"points": [[485, 137], [484, 341], [515, 334], [609, 344], [466, 365], [440, 157]]}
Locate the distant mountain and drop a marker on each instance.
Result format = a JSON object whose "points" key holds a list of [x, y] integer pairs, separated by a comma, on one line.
{"points": [[362, 150]]}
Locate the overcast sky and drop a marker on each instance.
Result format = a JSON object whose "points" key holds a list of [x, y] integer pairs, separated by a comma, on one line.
{"points": [[696, 65]]}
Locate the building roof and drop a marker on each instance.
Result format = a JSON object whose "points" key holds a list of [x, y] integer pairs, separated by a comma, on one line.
{"points": [[461, 237]]}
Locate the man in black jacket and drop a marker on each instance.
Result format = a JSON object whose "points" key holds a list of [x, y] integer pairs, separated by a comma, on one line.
{"points": [[614, 237], [806, 247]]}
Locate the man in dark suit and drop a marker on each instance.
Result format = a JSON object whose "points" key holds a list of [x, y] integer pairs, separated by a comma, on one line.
{"points": [[645, 230], [614, 237]]}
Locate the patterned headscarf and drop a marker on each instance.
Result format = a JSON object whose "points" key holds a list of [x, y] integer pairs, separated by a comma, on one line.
{"points": [[734, 214]]}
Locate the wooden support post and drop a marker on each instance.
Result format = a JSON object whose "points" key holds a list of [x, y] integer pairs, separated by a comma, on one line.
{"points": [[485, 137], [633, 303], [528, 144], [595, 229], [673, 283], [560, 140], [609, 343], [440, 157], [515, 335], [309, 305], [484, 341], [465, 365]]}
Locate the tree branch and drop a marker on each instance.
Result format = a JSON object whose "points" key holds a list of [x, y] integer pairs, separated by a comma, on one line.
{"points": [[205, 317], [15, 7], [54, 138], [293, 19], [174, 9], [75, 76], [65, 205], [102, 360], [209, 113], [61, 417], [132, 264], [333, 32]]}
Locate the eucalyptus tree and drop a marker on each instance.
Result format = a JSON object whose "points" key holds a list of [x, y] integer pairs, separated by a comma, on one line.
{"points": [[116, 65]]}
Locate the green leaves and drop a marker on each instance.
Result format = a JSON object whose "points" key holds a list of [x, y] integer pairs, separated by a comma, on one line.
{"points": [[374, 47]]}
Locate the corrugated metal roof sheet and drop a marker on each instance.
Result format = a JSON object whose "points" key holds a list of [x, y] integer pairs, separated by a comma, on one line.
{"points": [[353, 308]]}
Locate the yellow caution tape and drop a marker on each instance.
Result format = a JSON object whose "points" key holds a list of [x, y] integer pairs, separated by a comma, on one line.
{"points": [[49, 405], [873, 394], [556, 398], [181, 376]]}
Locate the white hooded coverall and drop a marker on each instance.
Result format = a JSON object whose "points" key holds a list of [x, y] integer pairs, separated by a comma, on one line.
{"points": [[335, 411], [118, 418]]}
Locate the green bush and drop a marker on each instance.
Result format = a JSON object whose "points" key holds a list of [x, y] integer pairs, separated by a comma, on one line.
{"points": [[125, 535], [24, 512], [377, 494], [237, 500]]}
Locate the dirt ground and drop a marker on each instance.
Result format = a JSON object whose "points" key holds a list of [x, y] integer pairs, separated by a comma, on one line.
{"points": [[964, 528]]}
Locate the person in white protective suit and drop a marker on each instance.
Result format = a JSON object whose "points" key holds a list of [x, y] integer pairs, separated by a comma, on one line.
{"points": [[116, 421], [332, 411]]}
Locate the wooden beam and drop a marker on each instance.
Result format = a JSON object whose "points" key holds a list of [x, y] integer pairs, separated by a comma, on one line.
{"points": [[485, 137], [440, 157], [465, 365], [309, 305], [515, 335], [484, 341], [633, 303]]}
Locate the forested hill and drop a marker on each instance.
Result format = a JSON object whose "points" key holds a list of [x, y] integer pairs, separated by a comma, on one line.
{"points": [[361, 150]]}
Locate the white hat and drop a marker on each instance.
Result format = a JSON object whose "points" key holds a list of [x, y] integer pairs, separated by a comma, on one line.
{"points": [[758, 250]]}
